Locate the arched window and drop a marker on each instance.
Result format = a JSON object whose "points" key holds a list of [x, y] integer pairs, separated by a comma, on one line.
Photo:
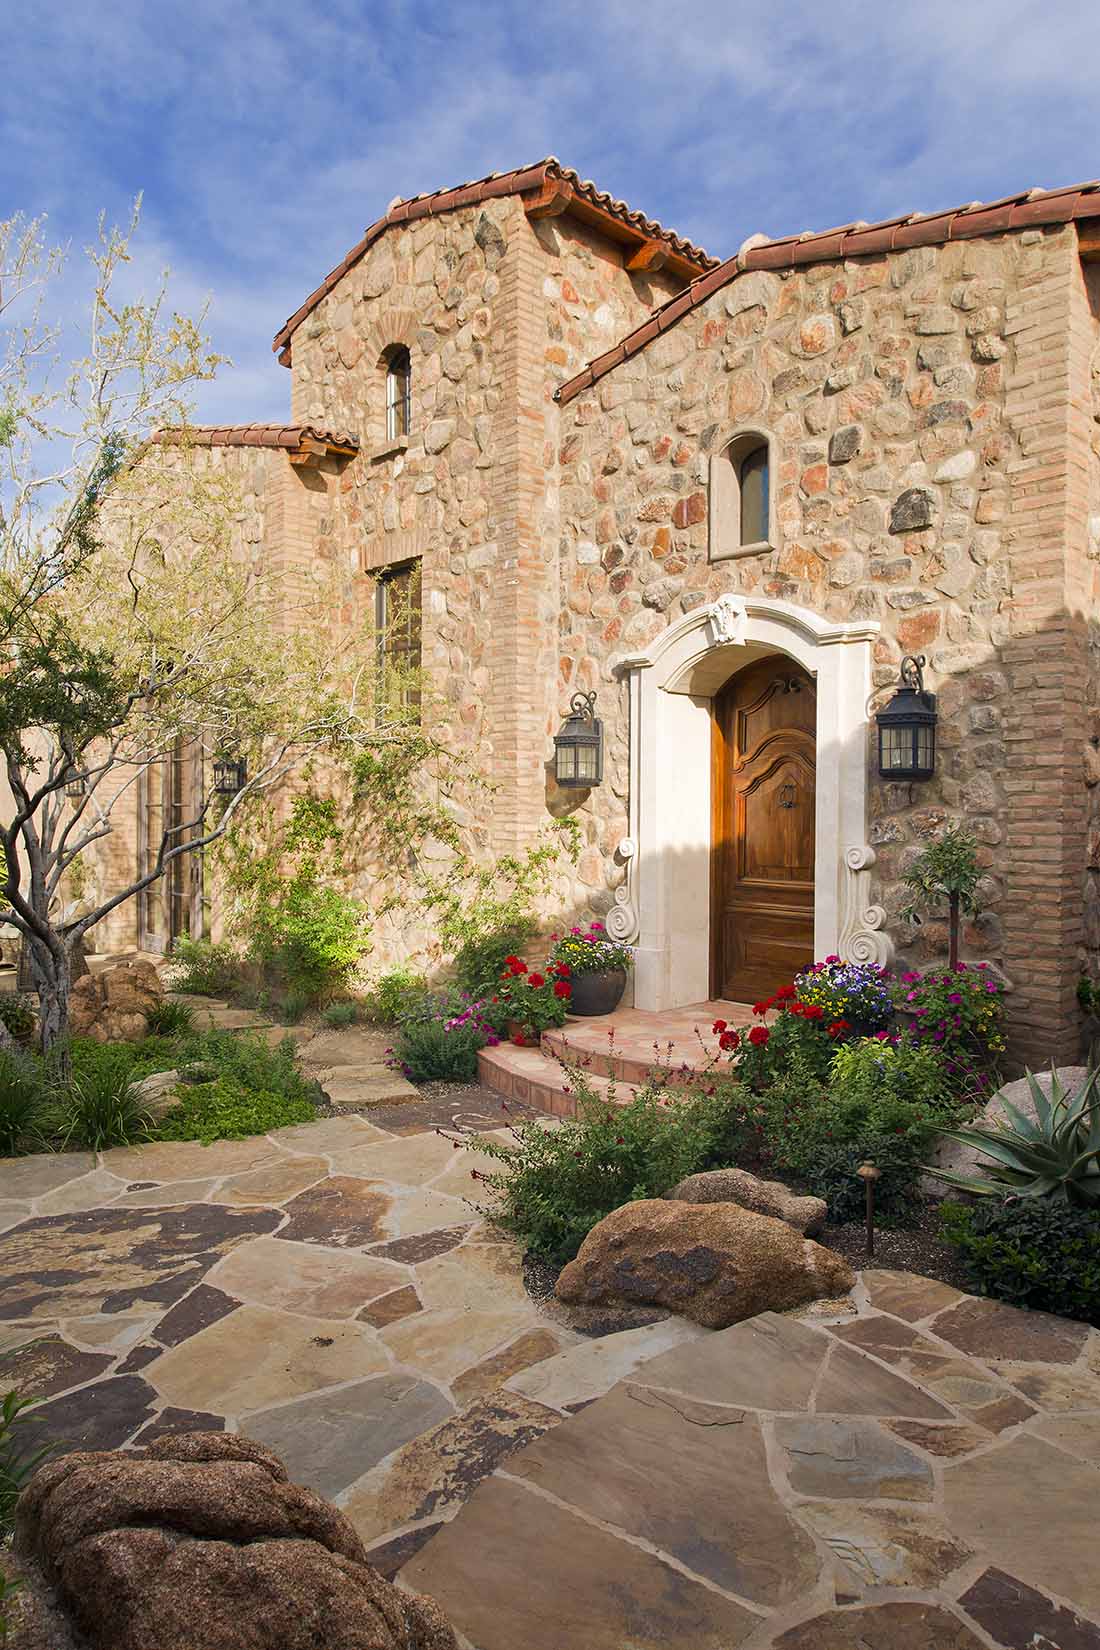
{"points": [[398, 393], [741, 516]]}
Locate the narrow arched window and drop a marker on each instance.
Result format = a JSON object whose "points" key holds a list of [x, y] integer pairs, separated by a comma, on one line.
{"points": [[742, 520], [398, 393], [753, 489]]}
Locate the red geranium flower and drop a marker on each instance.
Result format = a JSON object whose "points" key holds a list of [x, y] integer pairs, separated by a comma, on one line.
{"points": [[838, 1028], [510, 962], [563, 969], [761, 1007], [518, 968], [796, 1008], [813, 1011], [536, 980], [730, 1039], [563, 989], [719, 1025], [785, 994], [758, 1036]]}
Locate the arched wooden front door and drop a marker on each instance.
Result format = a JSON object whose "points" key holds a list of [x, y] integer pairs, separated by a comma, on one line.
{"points": [[765, 738]]}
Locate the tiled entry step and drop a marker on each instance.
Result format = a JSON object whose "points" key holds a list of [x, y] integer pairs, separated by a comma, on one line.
{"points": [[617, 1051]]}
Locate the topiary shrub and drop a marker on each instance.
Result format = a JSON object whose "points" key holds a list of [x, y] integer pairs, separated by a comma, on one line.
{"points": [[1040, 1253]]}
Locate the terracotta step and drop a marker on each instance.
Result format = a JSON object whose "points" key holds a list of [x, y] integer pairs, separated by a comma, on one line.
{"points": [[632, 1044], [534, 1078]]}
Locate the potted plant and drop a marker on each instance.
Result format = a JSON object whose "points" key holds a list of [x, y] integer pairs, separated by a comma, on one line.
{"points": [[948, 871], [17, 1014], [597, 968], [531, 1002]]}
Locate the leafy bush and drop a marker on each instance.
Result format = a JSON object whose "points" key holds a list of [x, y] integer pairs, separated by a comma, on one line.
{"points": [[483, 902], [339, 1015], [1056, 1154], [395, 994], [821, 1134], [169, 1019], [800, 1035], [18, 1014], [906, 1070], [960, 1012], [947, 871], [203, 968], [19, 1459], [1040, 1253], [439, 1038], [101, 1109], [479, 962], [24, 1094], [227, 1110], [556, 1184], [293, 917]]}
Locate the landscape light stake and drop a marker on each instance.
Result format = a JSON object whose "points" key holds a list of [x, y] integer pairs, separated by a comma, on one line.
{"points": [[869, 1174]]}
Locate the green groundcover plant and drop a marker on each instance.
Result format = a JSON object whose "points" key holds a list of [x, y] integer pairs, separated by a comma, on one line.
{"points": [[227, 1110]]}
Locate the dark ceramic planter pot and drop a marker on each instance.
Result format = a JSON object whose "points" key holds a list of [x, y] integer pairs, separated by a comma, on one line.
{"points": [[599, 993]]}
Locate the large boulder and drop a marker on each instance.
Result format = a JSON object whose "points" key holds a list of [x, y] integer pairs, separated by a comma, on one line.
{"points": [[200, 1543], [715, 1263], [767, 1197], [967, 1160], [111, 1006]]}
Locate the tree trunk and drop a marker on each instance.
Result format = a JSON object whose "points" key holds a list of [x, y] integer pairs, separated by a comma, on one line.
{"points": [[53, 982], [952, 931]]}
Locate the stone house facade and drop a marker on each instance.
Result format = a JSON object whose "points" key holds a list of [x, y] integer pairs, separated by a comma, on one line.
{"points": [[728, 499]]}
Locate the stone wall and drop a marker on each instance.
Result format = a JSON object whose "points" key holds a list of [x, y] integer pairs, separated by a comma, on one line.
{"points": [[927, 422]]}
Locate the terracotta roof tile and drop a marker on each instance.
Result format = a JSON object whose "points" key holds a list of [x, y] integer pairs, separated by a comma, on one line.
{"points": [[523, 179], [287, 436], [1031, 208]]}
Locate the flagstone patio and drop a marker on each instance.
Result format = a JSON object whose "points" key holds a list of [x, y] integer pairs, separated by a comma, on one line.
{"points": [[328, 1289]]}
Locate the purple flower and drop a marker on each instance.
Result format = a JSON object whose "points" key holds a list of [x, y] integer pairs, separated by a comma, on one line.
{"points": [[954, 997]]}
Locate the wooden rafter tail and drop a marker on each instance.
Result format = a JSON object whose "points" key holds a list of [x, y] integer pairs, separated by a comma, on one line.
{"points": [[1088, 239], [550, 200], [650, 255]]}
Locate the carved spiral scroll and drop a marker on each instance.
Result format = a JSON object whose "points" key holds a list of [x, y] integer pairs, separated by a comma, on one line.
{"points": [[862, 939], [622, 919]]}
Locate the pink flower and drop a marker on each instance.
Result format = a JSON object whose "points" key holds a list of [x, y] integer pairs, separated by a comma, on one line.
{"points": [[574, 930], [911, 997]]}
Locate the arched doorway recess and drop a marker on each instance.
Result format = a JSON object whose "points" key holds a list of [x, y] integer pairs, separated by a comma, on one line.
{"points": [[665, 906]]}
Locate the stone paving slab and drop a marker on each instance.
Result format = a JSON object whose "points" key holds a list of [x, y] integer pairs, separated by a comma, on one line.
{"points": [[368, 1307], [822, 1480]]}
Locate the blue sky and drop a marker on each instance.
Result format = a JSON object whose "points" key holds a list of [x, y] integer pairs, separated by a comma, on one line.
{"points": [[266, 136]]}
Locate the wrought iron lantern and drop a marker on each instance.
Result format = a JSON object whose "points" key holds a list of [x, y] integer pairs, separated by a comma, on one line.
{"points": [[578, 748], [75, 785], [229, 775], [907, 726]]}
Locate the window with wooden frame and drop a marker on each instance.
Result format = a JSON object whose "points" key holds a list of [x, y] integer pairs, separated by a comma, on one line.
{"points": [[398, 393], [397, 625]]}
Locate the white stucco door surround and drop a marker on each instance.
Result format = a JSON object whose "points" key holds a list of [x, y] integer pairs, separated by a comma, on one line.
{"points": [[663, 906]]}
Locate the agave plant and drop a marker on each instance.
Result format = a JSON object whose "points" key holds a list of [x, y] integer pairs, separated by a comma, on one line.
{"points": [[1054, 1154]]}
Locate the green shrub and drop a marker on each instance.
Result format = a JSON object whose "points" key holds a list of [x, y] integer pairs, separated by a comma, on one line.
{"points": [[433, 1051], [908, 1071], [295, 1005], [556, 1184], [479, 962], [101, 1109], [24, 1093], [19, 1459], [395, 994], [820, 1135], [17, 1013], [227, 1110], [169, 1019], [129, 1061], [340, 1015], [1040, 1253], [961, 1013], [203, 968]]}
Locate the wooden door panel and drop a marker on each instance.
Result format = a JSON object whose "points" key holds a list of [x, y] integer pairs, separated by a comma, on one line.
{"points": [[764, 767]]}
